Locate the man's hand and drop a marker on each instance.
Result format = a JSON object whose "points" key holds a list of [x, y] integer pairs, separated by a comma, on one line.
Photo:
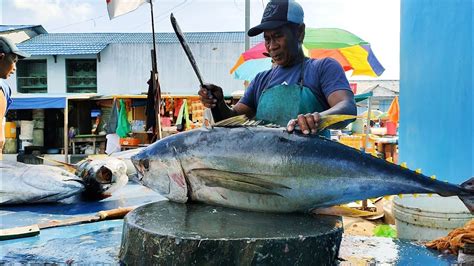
{"points": [[307, 123], [211, 95]]}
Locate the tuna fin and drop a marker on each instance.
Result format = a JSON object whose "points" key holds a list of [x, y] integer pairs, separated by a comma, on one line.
{"points": [[345, 211], [238, 120], [69, 167], [237, 181], [468, 200], [329, 120]]}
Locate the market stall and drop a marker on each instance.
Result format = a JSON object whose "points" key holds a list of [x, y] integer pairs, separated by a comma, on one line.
{"points": [[35, 122], [128, 125]]}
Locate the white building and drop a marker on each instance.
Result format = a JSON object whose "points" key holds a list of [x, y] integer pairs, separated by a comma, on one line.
{"points": [[120, 63]]}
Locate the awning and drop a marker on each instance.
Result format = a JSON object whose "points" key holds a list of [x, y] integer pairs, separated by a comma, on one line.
{"points": [[38, 103], [33, 101], [361, 97]]}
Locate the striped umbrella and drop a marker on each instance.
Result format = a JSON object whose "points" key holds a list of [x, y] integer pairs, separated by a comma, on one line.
{"points": [[350, 51]]}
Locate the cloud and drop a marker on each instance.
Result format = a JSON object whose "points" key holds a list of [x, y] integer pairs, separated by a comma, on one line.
{"points": [[50, 10]]}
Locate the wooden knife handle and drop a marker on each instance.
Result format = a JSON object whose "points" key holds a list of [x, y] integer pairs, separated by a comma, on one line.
{"points": [[114, 214]]}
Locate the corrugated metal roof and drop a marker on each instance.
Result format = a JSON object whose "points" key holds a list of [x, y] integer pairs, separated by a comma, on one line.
{"points": [[93, 43], [6, 28], [61, 49]]}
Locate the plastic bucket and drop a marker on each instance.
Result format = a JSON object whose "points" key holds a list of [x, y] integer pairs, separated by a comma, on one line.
{"points": [[427, 218], [26, 128], [391, 128]]}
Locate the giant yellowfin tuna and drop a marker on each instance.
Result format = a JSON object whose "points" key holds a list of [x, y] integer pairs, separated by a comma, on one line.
{"points": [[269, 169]]}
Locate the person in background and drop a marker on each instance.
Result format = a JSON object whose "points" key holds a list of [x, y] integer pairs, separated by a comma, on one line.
{"points": [[297, 90], [9, 55]]}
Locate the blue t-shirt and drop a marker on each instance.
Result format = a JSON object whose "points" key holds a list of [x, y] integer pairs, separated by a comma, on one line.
{"points": [[322, 76], [7, 92]]}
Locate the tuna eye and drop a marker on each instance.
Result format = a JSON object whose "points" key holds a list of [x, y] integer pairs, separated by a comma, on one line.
{"points": [[104, 175], [146, 164]]}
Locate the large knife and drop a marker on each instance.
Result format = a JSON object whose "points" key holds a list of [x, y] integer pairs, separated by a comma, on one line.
{"points": [[32, 230], [186, 48]]}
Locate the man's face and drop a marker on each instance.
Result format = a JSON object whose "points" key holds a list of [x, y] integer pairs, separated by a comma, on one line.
{"points": [[7, 65], [282, 44]]}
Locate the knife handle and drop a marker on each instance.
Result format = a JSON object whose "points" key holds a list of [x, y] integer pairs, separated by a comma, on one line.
{"points": [[114, 214]]}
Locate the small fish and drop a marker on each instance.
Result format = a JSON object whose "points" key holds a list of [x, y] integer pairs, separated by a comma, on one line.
{"points": [[268, 169], [25, 183]]}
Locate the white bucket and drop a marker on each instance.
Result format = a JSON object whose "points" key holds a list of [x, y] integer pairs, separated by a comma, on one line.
{"points": [[26, 129], [427, 218], [38, 137]]}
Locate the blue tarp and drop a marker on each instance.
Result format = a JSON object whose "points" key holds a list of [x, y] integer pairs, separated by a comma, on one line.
{"points": [[38, 103], [99, 243]]}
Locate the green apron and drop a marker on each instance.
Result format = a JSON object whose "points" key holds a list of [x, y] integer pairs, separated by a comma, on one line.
{"points": [[281, 103]]}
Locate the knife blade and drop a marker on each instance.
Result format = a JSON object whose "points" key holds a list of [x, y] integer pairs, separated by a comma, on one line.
{"points": [[186, 48]]}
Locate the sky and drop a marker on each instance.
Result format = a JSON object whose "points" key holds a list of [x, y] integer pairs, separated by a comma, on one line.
{"points": [[375, 21]]}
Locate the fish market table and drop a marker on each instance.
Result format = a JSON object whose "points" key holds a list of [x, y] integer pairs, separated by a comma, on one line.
{"points": [[86, 138]]}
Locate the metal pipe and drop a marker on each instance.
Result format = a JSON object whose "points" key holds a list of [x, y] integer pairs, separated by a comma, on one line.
{"points": [[247, 24]]}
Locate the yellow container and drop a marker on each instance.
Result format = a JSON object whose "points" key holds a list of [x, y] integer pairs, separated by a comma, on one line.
{"points": [[10, 130]]}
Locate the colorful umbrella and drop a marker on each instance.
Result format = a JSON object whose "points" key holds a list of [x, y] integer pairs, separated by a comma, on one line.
{"points": [[350, 51]]}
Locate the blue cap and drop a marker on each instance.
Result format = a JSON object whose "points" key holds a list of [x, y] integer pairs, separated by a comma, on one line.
{"points": [[8, 47], [278, 13]]}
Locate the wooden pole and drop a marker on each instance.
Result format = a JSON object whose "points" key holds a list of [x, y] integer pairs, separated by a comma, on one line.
{"points": [[66, 125], [154, 75], [367, 131]]}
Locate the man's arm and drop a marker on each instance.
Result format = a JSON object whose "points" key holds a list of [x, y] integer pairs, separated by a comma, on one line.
{"points": [[341, 102]]}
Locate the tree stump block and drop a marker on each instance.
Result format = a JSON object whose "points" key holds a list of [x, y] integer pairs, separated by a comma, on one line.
{"points": [[168, 233]]}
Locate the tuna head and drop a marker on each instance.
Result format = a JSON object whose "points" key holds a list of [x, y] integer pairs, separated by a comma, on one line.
{"points": [[102, 176], [159, 168]]}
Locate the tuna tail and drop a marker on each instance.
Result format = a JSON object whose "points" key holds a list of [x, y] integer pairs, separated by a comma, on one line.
{"points": [[468, 200]]}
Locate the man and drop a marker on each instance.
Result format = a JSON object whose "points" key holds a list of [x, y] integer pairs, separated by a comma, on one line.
{"points": [[9, 55], [297, 90]]}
